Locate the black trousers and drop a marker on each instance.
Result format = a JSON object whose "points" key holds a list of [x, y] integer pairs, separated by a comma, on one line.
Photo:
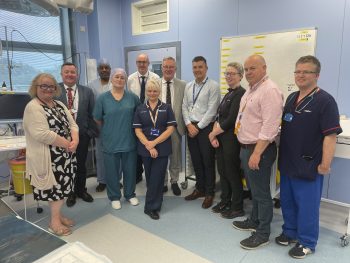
{"points": [[229, 168], [82, 151], [155, 169], [203, 160], [139, 168]]}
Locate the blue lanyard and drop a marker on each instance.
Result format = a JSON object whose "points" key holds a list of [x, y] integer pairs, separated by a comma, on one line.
{"points": [[200, 89]]}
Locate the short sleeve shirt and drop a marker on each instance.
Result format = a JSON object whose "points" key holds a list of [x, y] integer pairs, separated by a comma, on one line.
{"points": [[304, 126], [143, 120], [117, 133]]}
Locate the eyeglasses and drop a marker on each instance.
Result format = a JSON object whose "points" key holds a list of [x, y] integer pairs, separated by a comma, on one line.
{"points": [[168, 67], [141, 62], [230, 74], [305, 72], [47, 87]]}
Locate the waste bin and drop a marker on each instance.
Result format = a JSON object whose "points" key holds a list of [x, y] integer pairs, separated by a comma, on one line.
{"points": [[18, 170]]}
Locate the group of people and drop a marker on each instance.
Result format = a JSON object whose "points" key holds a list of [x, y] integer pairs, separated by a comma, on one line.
{"points": [[139, 123]]}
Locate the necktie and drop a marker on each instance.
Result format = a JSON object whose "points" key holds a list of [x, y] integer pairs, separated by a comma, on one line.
{"points": [[143, 87], [168, 93], [70, 98]]}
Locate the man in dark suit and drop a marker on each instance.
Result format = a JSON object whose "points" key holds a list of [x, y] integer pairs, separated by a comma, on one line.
{"points": [[80, 102], [173, 93]]}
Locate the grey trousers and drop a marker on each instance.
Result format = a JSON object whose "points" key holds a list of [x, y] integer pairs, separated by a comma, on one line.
{"points": [[259, 180], [100, 166], [174, 167]]}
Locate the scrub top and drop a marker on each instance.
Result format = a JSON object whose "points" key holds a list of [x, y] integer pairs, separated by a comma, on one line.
{"points": [[117, 133], [304, 126], [165, 118]]}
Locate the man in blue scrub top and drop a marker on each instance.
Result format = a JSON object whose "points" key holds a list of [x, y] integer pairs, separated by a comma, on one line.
{"points": [[309, 128]]}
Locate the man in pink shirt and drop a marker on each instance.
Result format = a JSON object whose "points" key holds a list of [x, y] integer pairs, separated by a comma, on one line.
{"points": [[257, 126]]}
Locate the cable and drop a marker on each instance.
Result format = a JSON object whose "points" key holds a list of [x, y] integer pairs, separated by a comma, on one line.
{"points": [[77, 55], [37, 49]]}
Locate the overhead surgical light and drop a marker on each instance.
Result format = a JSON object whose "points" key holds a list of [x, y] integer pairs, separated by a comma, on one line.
{"points": [[31, 7]]}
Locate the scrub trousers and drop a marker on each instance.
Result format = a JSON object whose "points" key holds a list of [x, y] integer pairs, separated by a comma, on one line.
{"points": [[127, 161], [300, 203]]}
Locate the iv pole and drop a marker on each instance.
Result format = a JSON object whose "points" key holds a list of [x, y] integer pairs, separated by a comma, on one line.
{"points": [[8, 58]]}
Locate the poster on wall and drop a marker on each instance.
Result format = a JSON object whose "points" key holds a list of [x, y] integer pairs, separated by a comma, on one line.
{"points": [[280, 49]]}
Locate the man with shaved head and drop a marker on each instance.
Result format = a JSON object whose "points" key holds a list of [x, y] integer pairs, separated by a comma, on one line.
{"points": [[257, 126], [99, 86], [137, 84]]}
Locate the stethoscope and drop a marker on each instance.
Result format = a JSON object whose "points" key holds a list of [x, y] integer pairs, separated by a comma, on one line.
{"points": [[310, 96]]}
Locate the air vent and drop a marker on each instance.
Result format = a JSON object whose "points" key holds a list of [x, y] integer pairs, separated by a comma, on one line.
{"points": [[150, 16]]}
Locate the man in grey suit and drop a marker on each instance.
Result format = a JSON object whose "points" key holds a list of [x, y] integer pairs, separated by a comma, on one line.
{"points": [[80, 102], [173, 93]]}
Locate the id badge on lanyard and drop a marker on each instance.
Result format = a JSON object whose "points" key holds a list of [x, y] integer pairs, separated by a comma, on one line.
{"points": [[154, 132]]}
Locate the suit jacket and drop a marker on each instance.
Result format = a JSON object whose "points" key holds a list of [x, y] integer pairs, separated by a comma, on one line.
{"points": [[86, 105], [134, 82], [179, 89]]}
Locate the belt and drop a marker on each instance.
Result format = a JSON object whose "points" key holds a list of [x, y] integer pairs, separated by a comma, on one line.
{"points": [[247, 146]]}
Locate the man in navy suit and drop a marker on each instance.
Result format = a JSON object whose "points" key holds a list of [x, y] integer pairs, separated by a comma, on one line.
{"points": [[80, 102]]}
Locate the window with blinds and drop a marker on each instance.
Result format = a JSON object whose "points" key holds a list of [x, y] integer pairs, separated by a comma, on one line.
{"points": [[150, 16], [30, 45]]}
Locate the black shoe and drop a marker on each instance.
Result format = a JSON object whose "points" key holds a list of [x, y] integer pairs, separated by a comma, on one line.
{"points": [[246, 225], [138, 179], [176, 189], [254, 241], [221, 207], [299, 251], [86, 197], [101, 187], [231, 214], [152, 214], [71, 200], [165, 188], [283, 240]]}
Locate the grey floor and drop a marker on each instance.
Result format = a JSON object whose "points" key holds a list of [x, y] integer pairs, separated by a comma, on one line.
{"points": [[185, 232]]}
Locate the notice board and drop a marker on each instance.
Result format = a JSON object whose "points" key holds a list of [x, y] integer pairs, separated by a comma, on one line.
{"points": [[280, 49]]}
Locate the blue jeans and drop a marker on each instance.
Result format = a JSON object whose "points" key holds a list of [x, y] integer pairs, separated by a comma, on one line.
{"points": [[259, 181]]}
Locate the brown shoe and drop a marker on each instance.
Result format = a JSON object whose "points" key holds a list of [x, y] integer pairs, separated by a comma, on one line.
{"points": [[195, 194], [208, 201]]}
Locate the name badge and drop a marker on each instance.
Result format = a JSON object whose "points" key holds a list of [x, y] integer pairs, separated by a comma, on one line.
{"points": [[288, 117], [155, 132]]}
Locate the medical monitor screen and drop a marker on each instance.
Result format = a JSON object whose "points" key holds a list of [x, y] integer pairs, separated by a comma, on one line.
{"points": [[12, 105]]}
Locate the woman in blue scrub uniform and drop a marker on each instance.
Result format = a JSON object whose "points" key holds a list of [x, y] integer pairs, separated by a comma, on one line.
{"points": [[154, 122], [114, 111]]}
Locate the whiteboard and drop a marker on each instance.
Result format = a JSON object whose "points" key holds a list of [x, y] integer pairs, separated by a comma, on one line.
{"points": [[281, 50]]}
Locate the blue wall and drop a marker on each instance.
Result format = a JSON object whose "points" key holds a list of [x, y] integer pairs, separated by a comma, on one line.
{"points": [[103, 35], [199, 24]]}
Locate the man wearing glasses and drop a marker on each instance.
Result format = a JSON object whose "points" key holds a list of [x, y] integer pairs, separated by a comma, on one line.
{"points": [[257, 125], [80, 102], [173, 93], [310, 125], [137, 84]]}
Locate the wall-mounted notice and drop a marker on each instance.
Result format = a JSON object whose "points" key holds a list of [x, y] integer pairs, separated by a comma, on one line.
{"points": [[281, 50]]}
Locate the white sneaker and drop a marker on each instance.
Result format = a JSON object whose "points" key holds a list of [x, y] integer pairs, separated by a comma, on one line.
{"points": [[116, 204], [134, 201]]}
